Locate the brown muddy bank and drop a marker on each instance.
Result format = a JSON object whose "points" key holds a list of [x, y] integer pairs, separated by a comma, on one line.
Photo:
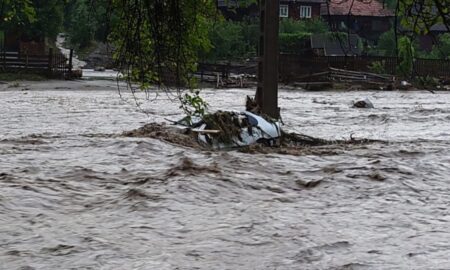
{"points": [[75, 194]]}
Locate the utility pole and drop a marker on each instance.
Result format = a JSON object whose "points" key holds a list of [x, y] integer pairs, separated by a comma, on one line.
{"points": [[267, 89]]}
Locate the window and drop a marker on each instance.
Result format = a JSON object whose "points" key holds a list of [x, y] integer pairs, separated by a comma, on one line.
{"points": [[305, 12], [221, 3], [227, 3], [284, 11]]}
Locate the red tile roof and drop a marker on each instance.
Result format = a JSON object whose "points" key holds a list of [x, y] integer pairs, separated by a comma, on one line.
{"points": [[305, 1], [370, 8]]}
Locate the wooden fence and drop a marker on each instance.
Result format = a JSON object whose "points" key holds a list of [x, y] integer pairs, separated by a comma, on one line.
{"points": [[206, 70], [52, 64], [292, 67]]}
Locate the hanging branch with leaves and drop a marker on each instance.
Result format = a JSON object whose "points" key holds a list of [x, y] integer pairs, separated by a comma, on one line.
{"points": [[157, 44]]}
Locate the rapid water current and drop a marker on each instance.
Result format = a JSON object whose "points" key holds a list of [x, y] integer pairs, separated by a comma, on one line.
{"points": [[75, 194]]}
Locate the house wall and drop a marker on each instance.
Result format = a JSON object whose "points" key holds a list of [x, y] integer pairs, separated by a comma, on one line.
{"points": [[294, 9], [15, 42], [32, 48], [426, 42], [364, 26], [11, 41], [237, 13]]}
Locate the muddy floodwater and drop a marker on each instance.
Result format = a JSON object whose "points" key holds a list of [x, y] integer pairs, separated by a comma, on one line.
{"points": [[74, 194]]}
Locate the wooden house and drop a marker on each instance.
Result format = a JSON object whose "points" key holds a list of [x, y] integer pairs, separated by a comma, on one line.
{"points": [[367, 19], [14, 41], [300, 9], [294, 9]]}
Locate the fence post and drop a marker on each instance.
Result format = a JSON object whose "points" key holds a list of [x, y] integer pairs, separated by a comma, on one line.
{"points": [[50, 60], [70, 61], [26, 60]]}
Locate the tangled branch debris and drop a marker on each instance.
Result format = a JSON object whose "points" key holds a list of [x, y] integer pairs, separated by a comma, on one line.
{"points": [[229, 128]]}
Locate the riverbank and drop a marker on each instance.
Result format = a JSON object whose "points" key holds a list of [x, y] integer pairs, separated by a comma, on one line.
{"points": [[20, 76]]}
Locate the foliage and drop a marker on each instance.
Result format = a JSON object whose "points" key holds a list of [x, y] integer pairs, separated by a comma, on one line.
{"points": [[228, 41], [79, 24], [17, 76], [88, 20], [293, 42], [158, 42], [193, 105], [420, 16], [316, 26], [378, 67], [294, 35], [406, 53], [386, 44], [16, 13], [239, 40], [34, 18], [49, 19], [442, 49], [426, 82]]}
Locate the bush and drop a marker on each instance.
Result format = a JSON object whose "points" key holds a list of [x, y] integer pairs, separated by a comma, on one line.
{"points": [[386, 44], [239, 40], [306, 26], [406, 52], [293, 42], [228, 42], [442, 49], [378, 67], [295, 35]]}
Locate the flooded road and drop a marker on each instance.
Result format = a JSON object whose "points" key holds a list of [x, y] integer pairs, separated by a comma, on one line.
{"points": [[74, 194]]}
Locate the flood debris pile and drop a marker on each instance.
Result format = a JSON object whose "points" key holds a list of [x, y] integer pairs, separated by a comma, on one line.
{"points": [[228, 125], [227, 130], [166, 133]]}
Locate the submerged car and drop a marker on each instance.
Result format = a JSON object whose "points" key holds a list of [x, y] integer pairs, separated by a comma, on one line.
{"points": [[237, 130]]}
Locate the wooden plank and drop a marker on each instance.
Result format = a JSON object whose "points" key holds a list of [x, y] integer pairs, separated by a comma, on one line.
{"points": [[206, 131]]}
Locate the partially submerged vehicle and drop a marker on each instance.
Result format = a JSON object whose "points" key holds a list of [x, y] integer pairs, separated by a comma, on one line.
{"points": [[232, 129]]}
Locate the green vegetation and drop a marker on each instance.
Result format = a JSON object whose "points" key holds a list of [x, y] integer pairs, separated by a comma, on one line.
{"points": [[34, 19], [406, 53], [239, 40], [378, 67], [442, 49], [295, 35], [16, 13], [231, 41], [86, 21], [386, 44], [157, 49], [155, 39], [11, 77]]}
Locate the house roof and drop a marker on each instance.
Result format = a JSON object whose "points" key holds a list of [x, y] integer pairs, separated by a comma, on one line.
{"points": [[440, 27], [304, 1], [370, 8], [333, 46]]}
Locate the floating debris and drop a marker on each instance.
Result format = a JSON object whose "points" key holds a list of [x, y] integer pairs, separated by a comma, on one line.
{"points": [[367, 104]]}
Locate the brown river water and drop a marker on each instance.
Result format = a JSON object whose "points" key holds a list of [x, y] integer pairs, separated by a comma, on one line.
{"points": [[75, 194]]}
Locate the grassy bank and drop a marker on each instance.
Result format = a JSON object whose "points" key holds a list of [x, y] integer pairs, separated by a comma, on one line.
{"points": [[10, 77]]}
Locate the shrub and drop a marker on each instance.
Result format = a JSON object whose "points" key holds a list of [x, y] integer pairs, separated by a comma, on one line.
{"points": [[386, 44], [378, 67], [293, 42], [406, 52], [442, 49]]}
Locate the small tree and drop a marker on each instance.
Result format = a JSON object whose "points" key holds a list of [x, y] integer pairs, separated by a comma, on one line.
{"points": [[442, 49], [406, 53]]}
